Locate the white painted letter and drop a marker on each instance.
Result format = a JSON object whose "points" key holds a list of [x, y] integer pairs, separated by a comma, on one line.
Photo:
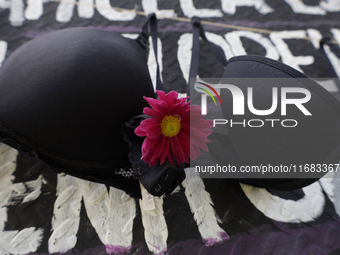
{"points": [[65, 10], [299, 7], [336, 34], [104, 8], [315, 37], [4, 4], [16, 14], [184, 54], [220, 41], [150, 6], [229, 6], [65, 221], [333, 59], [201, 206], [286, 55], [330, 5], [330, 183], [184, 50], [155, 227], [189, 10], [305, 209], [3, 50], [34, 9], [152, 62], [85, 9], [233, 39], [27, 240], [111, 214]]}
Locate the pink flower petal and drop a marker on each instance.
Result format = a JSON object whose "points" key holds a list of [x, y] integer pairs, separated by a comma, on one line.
{"points": [[170, 159], [197, 150], [193, 153], [165, 150], [152, 113], [198, 143], [174, 109], [161, 95], [185, 128], [204, 147], [172, 95], [206, 132], [171, 98], [197, 135], [147, 124], [183, 108], [181, 154], [158, 149], [184, 142], [152, 102], [147, 145], [175, 148], [164, 108], [195, 109], [152, 163], [147, 159], [154, 132], [139, 132], [187, 143]]}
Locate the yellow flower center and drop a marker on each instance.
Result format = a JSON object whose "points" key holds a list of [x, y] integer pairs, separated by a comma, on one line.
{"points": [[170, 126]]}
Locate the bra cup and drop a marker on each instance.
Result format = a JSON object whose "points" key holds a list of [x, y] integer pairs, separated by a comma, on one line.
{"points": [[313, 140], [70, 91]]}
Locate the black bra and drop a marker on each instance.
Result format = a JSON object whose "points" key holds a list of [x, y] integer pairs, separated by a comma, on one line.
{"points": [[311, 149], [65, 96]]}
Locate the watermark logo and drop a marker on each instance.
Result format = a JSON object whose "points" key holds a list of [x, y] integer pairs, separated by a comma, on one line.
{"points": [[239, 99], [280, 98], [213, 90]]}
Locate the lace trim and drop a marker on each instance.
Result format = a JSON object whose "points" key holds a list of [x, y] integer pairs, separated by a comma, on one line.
{"points": [[126, 172]]}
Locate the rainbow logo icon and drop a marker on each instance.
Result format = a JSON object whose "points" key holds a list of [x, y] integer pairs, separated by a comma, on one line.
{"points": [[209, 93]]}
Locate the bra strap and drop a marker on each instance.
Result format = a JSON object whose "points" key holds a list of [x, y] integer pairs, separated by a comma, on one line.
{"points": [[142, 39], [198, 31], [335, 49]]}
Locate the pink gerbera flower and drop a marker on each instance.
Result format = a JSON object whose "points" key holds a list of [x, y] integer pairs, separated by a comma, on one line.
{"points": [[169, 133]]}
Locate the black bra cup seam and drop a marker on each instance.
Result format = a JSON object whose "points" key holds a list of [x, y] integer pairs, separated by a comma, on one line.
{"points": [[323, 93]]}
